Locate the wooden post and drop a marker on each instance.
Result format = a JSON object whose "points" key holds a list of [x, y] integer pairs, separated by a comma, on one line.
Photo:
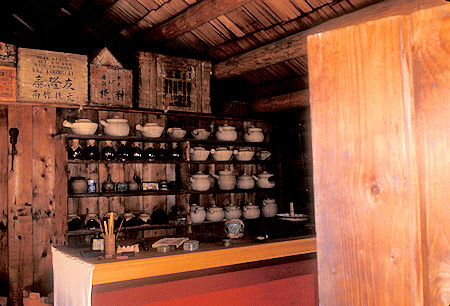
{"points": [[380, 138]]}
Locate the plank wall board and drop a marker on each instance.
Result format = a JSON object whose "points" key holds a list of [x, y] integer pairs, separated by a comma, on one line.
{"points": [[431, 83], [20, 190], [4, 143], [43, 155], [380, 135], [61, 203]]}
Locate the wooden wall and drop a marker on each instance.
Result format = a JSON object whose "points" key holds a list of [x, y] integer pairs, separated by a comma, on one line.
{"points": [[381, 134]]}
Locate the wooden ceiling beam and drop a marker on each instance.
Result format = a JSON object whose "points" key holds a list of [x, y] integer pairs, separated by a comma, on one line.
{"points": [[295, 45], [192, 18], [283, 102]]}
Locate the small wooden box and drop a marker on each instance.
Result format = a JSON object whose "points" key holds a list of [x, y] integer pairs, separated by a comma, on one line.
{"points": [[174, 83], [8, 83], [52, 77], [8, 55]]}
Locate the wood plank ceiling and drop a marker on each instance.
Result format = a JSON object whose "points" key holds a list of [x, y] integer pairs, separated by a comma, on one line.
{"points": [[223, 31]]}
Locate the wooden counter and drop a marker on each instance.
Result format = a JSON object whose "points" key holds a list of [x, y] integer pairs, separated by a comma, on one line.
{"points": [[210, 255]]}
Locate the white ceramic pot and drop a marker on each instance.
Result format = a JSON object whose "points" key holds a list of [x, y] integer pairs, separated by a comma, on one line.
{"points": [[198, 213], [176, 133], [254, 134], [200, 134], [215, 213], [226, 180], [233, 212], [263, 155], [269, 208], [81, 126], [226, 133], [251, 211], [198, 154], [243, 154], [116, 127], [264, 180], [150, 129], [221, 154], [245, 182], [200, 181]]}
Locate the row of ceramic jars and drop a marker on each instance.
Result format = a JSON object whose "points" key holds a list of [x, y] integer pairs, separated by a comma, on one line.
{"points": [[225, 154], [227, 181], [215, 213]]}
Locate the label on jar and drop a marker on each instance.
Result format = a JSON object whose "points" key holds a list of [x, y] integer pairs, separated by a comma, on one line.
{"points": [[98, 244]]}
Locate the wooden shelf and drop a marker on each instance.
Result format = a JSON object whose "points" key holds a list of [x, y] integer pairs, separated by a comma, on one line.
{"points": [[234, 162], [162, 192]]}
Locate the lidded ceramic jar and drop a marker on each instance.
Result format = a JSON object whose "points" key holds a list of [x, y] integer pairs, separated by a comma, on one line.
{"points": [[221, 154], [254, 134], [226, 133], [200, 181], [233, 212], [245, 181], [198, 154], [226, 180], [269, 208], [198, 213], [82, 126], [264, 180], [263, 155], [176, 133], [150, 129], [215, 213], [200, 134], [251, 211], [116, 126], [243, 154]]}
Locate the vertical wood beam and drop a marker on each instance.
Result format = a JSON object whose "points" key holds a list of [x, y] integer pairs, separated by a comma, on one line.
{"points": [[4, 144]]}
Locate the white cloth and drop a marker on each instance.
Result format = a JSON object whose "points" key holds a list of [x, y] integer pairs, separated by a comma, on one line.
{"points": [[72, 280]]}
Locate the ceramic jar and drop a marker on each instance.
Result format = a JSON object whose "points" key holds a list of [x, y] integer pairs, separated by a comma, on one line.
{"points": [[123, 152], [269, 208], [91, 151], [200, 181], [176, 133], [226, 180], [263, 155], [75, 151], [198, 154], [243, 154], [91, 221], [73, 222], [200, 134], [251, 211], [264, 180], [198, 213], [129, 219], [78, 185], [116, 127], [234, 228], [143, 218], [81, 126], [108, 152], [245, 181], [233, 212], [221, 154], [108, 185], [226, 133], [254, 134], [215, 213], [151, 130]]}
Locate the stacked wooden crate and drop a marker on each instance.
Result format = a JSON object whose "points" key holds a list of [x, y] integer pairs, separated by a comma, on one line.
{"points": [[7, 72]]}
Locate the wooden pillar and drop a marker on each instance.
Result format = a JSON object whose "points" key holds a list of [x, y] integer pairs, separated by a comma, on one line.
{"points": [[4, 145], [380, 135]]}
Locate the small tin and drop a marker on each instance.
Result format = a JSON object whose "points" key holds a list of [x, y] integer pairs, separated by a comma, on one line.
{"points": [[163, 249], [150, 186], [190, 245], [122, 186], [92, 186]]}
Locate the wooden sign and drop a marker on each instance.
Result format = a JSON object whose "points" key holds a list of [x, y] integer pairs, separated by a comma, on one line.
{"points": [[52, 77], [7, 54], [7, 83], [174, 83], [110, 86]]}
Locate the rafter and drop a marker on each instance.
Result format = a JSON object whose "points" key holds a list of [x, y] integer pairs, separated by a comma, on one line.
{"points": [[282, 102]]}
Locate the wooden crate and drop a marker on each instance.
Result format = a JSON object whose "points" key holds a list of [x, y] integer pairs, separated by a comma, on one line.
{"points": [[8, 56], [7, 83], [174, 83], [52, 77]]}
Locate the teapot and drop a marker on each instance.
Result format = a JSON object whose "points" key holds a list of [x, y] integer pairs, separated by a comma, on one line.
{"points": [[198, 154], [226, 133], [263, 155], [176, 133], [254, 134], [200, 134], [81, 126], [150, 129], [233, 212], [226, 180], [200, 181], [245, 181], [269, 208], [264, 180], [198, 213], [221, 154], [116, 126], [215, 213], [243, 154], [251, 211]]}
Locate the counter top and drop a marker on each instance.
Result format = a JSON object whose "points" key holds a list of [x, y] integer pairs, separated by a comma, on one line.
{"points": [[210, 255]]}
